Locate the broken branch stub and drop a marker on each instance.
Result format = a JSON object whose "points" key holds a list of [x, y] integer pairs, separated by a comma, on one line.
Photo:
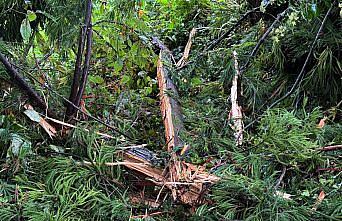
{"points": [[236, 112], [186, 53]]}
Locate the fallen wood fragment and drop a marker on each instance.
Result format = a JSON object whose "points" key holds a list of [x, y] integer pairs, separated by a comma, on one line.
{"points": [[73, 126], [145, 201], [319, 200], [330, 169], [34, 116]]}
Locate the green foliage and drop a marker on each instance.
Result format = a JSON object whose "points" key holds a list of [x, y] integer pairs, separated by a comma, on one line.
{"points": [[66, 178], [287, 138]]}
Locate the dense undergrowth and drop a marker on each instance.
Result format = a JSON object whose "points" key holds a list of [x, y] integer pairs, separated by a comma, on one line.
{"points": [[279, 173]]}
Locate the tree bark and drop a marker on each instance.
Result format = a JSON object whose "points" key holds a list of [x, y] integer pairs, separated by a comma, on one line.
{"points": [[76, 86], [169, 106], [20, 81], [86, 65]]}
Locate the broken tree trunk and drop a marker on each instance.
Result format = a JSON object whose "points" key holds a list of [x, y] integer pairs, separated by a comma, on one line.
{"points": [[169, 105], [184, 180], [186, 185], [187, 182]]}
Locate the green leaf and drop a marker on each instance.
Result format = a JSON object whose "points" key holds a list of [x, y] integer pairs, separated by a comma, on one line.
{"points": [[19, 146], [96, 79], [125, 79], [25, 30], [118, 65], [147, 90], [31, 15], [196, 81]]}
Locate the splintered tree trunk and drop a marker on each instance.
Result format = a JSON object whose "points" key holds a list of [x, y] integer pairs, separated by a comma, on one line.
{"points": [[184, 180], [81, 74], [236, 112], [170, 108]]}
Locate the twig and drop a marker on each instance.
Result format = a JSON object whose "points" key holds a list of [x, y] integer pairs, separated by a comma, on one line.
{"points": [[112, 163], [330, 169], [106, 42], [90, 116], [280, 178], [331, 148], [146, 215]]}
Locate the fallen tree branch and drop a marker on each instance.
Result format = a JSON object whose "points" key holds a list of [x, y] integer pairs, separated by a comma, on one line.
{"points": [[85, 113], [217, 41], [90, 116], [21, 82], [226, 34], [302, 72]]}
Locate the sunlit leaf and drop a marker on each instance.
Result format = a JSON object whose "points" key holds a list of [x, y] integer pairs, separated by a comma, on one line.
{"points": [[25, 30], [96, 79], [31, 15]]}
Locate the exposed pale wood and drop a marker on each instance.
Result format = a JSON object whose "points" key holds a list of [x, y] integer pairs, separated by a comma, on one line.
{"points": [[170, 108], [183, 179], [144, 167], [236, 112], [186, 53]]}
